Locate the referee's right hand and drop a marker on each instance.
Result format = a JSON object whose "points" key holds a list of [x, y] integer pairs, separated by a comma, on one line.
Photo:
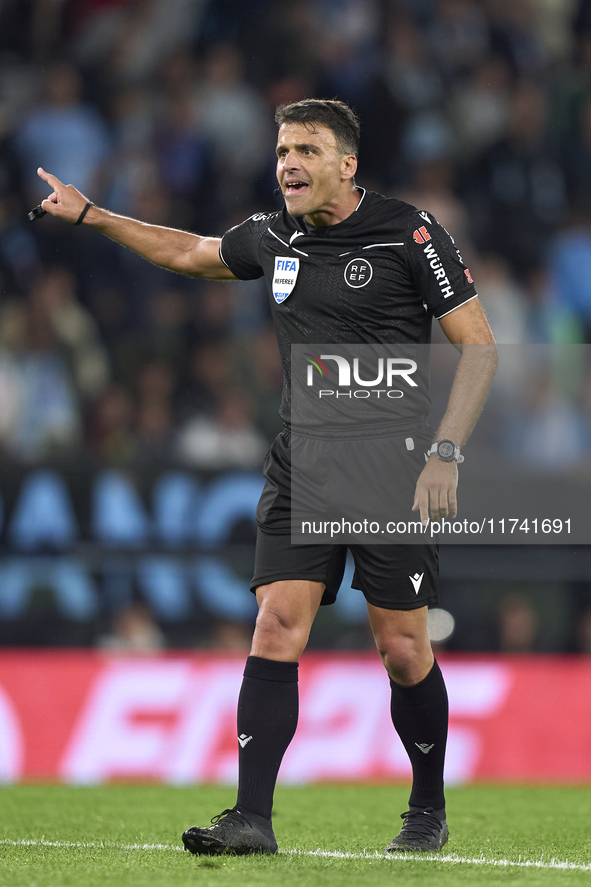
{"points": [[65, 201]]}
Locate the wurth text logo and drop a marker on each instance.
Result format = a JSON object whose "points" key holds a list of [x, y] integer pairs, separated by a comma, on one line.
{"points": [[438, 271]]}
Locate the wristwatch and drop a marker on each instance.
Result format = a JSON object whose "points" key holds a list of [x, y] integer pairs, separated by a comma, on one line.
{"points": [[446, 450]]}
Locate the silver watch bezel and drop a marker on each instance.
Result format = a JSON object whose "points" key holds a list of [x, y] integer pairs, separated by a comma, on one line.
{"points": [[455, 455]]}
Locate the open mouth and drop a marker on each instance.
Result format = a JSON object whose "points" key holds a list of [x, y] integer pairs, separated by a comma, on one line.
{"points": [[295, 187]]}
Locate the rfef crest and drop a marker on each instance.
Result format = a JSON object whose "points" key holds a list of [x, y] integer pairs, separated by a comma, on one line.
{"points": [[358, 273]]}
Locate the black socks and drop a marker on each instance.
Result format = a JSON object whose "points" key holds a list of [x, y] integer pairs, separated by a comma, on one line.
{"points": [[267, 719], [268, 715], [420, 715]]}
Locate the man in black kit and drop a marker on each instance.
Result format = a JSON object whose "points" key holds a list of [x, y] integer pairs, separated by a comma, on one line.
{"points": [[304, 251]]}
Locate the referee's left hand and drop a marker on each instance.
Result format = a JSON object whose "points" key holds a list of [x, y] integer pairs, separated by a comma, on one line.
{"points": [[435, 491]]}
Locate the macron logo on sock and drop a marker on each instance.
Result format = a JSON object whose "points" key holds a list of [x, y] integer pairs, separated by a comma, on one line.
{"points": [[243, 739]]}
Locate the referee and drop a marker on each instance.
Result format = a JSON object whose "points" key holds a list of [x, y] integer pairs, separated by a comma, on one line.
{"points": [[416, 273]]}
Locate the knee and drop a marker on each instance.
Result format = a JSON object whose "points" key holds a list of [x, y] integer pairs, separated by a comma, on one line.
{"points": [[272, 622], [407, 658], [275, 632]]}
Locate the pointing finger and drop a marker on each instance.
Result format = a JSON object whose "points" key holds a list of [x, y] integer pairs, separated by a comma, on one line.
{"points": [[53, 181]]}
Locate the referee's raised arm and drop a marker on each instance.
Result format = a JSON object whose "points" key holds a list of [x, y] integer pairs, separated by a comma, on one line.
{"points": [[170, 248]]}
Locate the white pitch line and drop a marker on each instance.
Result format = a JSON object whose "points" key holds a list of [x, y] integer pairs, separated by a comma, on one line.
{"points": [[450, 857], [90, 845], [324, 854]]}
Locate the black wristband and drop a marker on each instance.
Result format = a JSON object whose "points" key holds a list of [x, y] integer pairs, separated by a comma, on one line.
{"points": [[84, 211]]}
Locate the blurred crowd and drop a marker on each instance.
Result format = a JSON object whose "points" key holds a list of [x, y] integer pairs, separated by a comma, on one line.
{"points": [[478, 111]]}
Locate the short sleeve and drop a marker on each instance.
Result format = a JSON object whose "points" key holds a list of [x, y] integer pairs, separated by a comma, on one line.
{"points": [[439, 273], [239, 248]]}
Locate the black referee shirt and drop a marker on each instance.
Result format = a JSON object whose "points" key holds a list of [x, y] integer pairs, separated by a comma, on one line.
{"points": [[378, 277]]}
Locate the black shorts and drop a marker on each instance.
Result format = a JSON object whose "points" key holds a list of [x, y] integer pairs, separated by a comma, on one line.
{"points": [[395, 577]]}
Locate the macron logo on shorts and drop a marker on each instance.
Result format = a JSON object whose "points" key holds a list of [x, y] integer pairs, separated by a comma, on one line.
{"points": [[416, 581]]}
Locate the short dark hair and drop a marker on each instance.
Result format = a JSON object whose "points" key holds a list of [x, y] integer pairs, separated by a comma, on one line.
{"points": [[334, 114]]}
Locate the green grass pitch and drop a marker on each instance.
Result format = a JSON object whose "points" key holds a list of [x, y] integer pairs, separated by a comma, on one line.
{"points": [[129, 836]]}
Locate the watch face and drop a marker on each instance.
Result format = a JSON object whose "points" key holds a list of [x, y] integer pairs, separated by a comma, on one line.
{"points": [[445, 450]]}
